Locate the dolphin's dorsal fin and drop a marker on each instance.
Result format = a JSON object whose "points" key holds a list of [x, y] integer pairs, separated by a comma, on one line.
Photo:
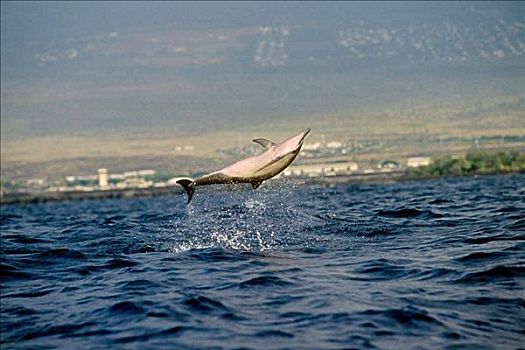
{"points": [[256, 184], [264, 142]]}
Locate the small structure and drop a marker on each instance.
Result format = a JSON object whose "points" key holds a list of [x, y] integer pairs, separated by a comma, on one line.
{"points": [[185, 148], [334, 144], [132, 173], [327, 169], [311, 170], [103, 178], [388, 164], [134, 182], [146, 172], [343, 168], [117, 176], [312, 146], [414, 162]]}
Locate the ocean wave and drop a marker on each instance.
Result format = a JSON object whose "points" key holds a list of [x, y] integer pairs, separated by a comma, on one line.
{"points": [[496, 273], [432, 264]]}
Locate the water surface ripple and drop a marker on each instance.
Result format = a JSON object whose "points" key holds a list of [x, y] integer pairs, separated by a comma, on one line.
{"points": [[421, 265]]}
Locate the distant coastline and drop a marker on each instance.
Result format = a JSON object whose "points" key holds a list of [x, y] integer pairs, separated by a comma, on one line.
{"points": [[43, 197], [299, 181], [472, 164]]}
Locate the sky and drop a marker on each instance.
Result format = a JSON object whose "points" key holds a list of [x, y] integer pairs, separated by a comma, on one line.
{"points": [[89, 67]]}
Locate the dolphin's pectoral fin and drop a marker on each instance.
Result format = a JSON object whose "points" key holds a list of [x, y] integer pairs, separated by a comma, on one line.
{"points": [[264, 142], [256, 184]]}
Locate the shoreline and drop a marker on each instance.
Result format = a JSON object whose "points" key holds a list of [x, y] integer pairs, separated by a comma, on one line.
{"points": [[15, 198]]}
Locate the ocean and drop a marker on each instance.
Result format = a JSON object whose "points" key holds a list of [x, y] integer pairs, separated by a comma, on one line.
{"points": [[435, 264]]}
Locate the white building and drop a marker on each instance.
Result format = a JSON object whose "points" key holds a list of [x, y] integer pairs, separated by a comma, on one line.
{"points": [[146, 172], [185, 148], [117, 176], [414, 162], [312, 146], [132, 173], [334, 144], [329, 169], [102, 177]]}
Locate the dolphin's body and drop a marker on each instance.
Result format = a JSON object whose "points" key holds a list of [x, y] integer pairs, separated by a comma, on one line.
{"points": [[254, 170]]}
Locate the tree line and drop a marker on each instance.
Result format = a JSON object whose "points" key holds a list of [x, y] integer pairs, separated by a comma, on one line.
{"points": [[475, 163]]}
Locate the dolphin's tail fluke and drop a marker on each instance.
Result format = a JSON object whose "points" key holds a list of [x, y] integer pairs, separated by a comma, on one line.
{"points": [[189, 186]]}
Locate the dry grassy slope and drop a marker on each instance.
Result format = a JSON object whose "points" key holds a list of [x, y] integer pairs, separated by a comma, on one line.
{"points": [[125, 150]]}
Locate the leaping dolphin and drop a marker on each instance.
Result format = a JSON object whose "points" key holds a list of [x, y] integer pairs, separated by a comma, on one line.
{"points": [[254, 170]]}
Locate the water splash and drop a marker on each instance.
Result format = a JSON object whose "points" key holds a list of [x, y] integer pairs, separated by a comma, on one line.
{"points": [[271, 218], [243, 221]]}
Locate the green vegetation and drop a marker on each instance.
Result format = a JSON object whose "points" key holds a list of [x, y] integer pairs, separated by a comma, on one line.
{"points": [[10, 185], [472, 164]]}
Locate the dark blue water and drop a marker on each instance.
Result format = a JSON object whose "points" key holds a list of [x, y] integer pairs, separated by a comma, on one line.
{"points": [[420, 265]]}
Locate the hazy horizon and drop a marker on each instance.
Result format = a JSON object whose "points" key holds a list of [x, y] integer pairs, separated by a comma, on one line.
{"points": [[109, 67]]}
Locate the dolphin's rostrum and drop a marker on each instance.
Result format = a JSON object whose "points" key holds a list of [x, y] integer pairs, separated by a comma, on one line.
{"points": [[254, 170]]}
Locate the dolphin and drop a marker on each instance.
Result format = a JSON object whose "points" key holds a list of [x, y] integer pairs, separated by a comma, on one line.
{"points": [[275, 158]]}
